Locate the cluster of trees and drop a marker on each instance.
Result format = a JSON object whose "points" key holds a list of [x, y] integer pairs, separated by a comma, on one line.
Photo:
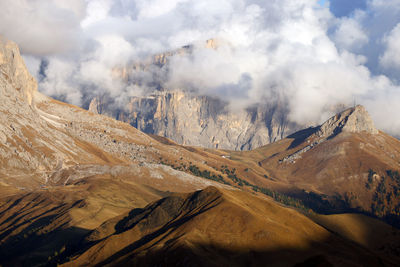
{"points": [[206, 174], [282, 198], [395, 175], [193, 169], [386, 202], [231, 174]]}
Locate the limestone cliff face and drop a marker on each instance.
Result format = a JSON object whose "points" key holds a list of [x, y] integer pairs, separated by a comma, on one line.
{"points": [[190, 119], [18, 116], [201, 120], [14, 72]]}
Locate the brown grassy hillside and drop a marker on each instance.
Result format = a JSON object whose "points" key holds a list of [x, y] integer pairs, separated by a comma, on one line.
{"points": [[215, 227]]}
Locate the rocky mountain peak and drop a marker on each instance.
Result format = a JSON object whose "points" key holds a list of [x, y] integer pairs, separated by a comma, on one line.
{"points": [[14, 72], [94, 106], [352, 120]]}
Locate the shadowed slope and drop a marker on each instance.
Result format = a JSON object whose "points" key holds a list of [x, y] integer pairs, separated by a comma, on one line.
{"points": [[39, 226], [366, 231]]}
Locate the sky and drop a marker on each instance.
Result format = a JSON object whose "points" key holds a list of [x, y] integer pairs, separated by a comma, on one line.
{"points": [[313, 56]]}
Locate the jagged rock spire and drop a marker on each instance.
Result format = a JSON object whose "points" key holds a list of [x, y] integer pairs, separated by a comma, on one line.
{"points": [[14, 72]]}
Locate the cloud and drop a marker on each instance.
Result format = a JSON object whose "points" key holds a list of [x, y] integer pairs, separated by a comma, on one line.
{"points": [[391, 57], [56, 82], [311, 57], [42, 27], [350, 35], [376, 21]]}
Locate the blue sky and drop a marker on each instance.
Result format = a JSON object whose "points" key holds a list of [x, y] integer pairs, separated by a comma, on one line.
{"points": [[342, 8]]}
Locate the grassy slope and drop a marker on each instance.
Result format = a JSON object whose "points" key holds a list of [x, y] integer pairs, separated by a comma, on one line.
{"points": [[218, 228]]}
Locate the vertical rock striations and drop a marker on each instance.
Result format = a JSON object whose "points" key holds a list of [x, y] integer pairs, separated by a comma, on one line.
{"points": [[14, 72], [201, 120], [187, 118]]}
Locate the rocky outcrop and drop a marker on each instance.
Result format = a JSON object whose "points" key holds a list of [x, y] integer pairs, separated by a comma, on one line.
{"points": [[94, 106], [201, 120], [14, 72], [352, 120], [25, 144], [20, 125]]}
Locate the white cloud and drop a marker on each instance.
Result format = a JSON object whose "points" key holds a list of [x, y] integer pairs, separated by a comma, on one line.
{"points": [[391, 56], [350, 35], [58, 79], [97, 11], [42, 27], [154, 8]]}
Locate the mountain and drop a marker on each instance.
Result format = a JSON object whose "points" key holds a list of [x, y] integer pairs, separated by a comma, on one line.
{"points": [[344, 164], [190, 118]]}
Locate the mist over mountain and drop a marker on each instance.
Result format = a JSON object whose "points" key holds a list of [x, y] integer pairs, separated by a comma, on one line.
{"points": [[312, 56]]}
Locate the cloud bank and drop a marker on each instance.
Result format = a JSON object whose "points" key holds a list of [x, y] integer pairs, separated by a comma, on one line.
{"points": [[311, 56]]}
